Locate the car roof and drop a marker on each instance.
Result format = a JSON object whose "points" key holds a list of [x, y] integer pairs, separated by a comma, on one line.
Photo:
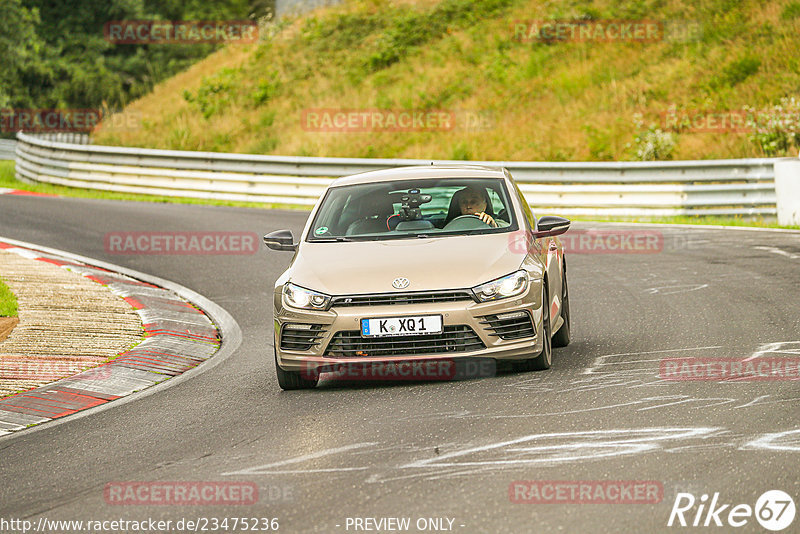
{"points": [[422, 172]]}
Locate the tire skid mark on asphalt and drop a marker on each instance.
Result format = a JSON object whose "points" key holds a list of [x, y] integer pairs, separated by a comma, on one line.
{"points": [[455, 414], [787, 441], [266, 468], [778, 251], [700, 280], [546, 449], [673, 290], [651, 403], [700, 447], [609, 371], [754, 402], [428, 477], [775, 348], [557, 447], [600, 361], [596, 377], [575, 386], [707, 402], [624, 365], [758, 401]]}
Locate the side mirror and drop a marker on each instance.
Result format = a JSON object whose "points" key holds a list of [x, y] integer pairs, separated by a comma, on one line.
{"points": [[551, 225], [280, 240]]}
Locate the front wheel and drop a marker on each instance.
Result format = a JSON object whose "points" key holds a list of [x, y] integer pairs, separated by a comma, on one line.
{"points": [[545, 358], [561, 339], [289, 380]]}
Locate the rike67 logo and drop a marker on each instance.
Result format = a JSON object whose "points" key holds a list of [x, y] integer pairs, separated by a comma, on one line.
{"points": [[774, 510]]}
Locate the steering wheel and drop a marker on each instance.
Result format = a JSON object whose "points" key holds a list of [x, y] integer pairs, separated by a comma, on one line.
{"points": [[453, 225]]}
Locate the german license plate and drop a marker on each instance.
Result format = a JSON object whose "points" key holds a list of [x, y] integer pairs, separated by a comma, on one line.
{"points": [[401, 326]]}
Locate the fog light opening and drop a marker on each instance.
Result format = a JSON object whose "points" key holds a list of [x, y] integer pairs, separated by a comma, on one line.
{"points": [[512, 315], [296, 326]]}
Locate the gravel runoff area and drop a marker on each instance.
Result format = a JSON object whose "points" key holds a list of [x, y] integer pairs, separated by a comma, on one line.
{"points": [[67, 323]]}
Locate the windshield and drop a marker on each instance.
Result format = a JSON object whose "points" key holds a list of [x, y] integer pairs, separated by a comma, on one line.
{"points": [[413, 208]]}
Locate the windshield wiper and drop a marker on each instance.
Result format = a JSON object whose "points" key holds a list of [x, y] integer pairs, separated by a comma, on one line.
{"points": [[331, 239]]}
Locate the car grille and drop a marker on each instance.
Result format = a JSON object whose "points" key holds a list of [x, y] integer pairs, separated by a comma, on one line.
{"points": [[454, 338], [513, 325], [303, 338], [422, 297]]}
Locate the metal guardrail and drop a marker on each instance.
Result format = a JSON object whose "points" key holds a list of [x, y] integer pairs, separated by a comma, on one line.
{"points": [[66, 137], [711, 187], [7, 149]]}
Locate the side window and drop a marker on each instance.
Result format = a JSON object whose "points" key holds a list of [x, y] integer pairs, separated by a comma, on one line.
{"points": [[526, 209]]}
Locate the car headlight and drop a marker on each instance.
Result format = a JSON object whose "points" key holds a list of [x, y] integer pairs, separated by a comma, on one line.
{"points": [[508, 286], [300, 297]]}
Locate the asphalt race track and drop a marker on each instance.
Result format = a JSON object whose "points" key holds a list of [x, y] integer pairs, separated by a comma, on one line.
{"points": [[448, 450]]}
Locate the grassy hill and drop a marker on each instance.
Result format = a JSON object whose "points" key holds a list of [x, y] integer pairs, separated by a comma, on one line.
{"points": [[531, 98]]}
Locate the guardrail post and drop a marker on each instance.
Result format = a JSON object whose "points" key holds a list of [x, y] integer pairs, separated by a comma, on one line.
{"points": [[787, 191]]}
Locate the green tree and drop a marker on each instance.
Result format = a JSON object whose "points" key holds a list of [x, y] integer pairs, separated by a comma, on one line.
{"points": [[20, 50], [54, 53]]}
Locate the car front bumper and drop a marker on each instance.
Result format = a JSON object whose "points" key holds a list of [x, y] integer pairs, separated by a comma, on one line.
{"points": [[335, 333]]}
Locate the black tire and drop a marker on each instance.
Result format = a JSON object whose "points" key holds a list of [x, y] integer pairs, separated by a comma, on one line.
{"points": [[545, 358], [561, 338], [289, 380]]}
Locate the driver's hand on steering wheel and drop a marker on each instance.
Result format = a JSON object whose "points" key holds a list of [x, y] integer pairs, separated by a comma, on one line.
{"points": [[485, 217]]}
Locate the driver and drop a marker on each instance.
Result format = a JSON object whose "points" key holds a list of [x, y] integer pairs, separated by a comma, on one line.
{"points": [[473, 200]]}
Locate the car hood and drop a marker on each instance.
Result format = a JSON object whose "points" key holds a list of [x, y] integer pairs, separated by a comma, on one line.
{"points": [[429, 263]]}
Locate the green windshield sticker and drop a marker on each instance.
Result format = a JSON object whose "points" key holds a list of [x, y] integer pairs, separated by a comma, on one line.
{"points": [[321, 230]]}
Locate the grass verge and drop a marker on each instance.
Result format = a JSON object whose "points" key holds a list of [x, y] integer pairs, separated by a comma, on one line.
{"points": [[8, 302]]}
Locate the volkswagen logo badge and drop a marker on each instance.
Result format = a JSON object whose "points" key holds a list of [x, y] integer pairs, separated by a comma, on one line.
{"points": [[400, 283]]}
